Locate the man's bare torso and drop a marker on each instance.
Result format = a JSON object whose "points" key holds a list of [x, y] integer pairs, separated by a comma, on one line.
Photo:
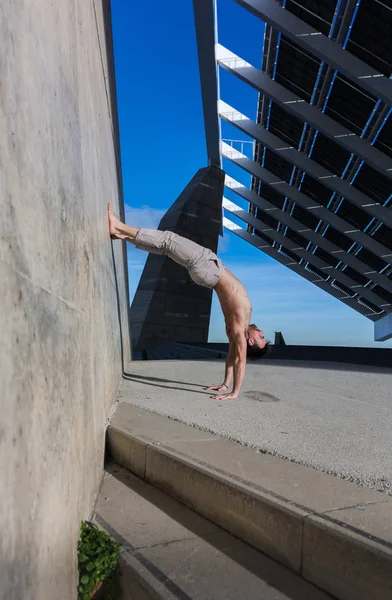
{"points": [[234, 300]]}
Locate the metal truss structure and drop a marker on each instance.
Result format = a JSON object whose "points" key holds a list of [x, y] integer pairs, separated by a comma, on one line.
{"points": [[320, 197]]}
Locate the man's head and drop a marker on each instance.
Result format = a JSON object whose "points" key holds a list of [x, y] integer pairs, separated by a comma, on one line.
{"points": [[257, 344]]}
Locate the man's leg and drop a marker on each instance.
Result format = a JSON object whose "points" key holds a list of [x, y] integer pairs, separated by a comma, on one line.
{"points": [[203, 266], [180, 249]]}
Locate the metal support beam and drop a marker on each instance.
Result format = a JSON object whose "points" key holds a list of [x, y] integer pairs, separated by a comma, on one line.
{"points": [[383, 329], [302, 252], [312, 236], [321, 212], [270, 43], [321, 46], [297, 268], [300, 160], [304, 111], [204, 14]]}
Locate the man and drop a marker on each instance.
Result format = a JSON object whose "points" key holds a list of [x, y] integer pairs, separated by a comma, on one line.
{"points": [[205, 269]]}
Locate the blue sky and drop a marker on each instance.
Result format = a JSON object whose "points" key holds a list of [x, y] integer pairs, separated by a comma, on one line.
{"points": [[163, 145]]}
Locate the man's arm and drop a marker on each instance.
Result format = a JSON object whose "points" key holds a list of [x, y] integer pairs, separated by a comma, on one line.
{"points": [[228, 371], [238, 365], [229, 365]]}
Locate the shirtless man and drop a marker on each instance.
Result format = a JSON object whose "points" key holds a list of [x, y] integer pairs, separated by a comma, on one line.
{"points": [[205, 269]]}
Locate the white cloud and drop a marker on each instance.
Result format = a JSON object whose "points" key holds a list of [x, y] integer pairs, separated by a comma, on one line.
{"points": [[143, 216]]}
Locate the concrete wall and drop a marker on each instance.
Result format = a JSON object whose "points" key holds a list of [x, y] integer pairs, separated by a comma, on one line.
{"points": [[61, 353]]}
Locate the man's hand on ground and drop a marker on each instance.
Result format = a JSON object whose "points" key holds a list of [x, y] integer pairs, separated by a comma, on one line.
{"points": [[217, 388], [225, 396]]}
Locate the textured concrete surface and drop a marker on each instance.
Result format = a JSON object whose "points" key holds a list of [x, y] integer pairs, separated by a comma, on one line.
{"points": [[132, 430], [335, 418], [61, 354], [340, 561], [181, 555], [168, 306], [335, 531], [257, 518]]}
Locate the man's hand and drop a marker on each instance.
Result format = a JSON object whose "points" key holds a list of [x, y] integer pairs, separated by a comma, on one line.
{"points": [[217, 388], [225, 396]]}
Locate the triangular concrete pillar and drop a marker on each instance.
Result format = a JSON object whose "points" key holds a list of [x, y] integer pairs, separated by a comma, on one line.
{"points": [[168, 306]]}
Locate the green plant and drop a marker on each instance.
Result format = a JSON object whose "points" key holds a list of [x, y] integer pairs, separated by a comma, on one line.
{"points": [[97, 557]]}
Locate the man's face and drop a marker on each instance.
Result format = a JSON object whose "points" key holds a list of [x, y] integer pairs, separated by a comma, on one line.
{"points": [[256, 337]]}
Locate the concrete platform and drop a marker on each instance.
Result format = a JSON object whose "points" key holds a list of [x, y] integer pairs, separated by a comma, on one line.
{"points": [[333, 417], [169, 552], [335, 533]]}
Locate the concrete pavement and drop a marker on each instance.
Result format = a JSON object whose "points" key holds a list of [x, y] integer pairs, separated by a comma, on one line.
{"points": [[333, 417]]}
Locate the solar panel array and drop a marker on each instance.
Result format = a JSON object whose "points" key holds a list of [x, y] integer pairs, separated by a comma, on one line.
{"points": [[320, 200]]}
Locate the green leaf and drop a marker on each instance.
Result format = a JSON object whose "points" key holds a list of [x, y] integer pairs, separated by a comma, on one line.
{"points": [[85, 579]]}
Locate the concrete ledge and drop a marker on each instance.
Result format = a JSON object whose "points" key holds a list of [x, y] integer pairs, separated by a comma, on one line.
{"points": [[335, 533], [127, 451], [169, 552], [345, 562], [266, 523]]}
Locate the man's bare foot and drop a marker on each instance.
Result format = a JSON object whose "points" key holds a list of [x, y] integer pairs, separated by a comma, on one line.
{"points": [[115, 225]]}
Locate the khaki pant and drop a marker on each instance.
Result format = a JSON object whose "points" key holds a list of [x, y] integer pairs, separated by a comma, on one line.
{"points": [[203, 266]]}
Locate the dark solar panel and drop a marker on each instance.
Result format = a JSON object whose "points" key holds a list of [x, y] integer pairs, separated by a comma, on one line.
{"points": [[267, 218], [384, 140], [348, 105], [386, 295], [272, 195], [373, 184], [289, 254], [371, 259], [358, 277], [330, 155], [326, 257], [297, 238], [384, 236], [341, 240], [371, 37], [317, 14], [305, 217], [297, 69], [314, 189], [277, 165], [285, 126], [353, 215], [264, 237], [368, 31]]}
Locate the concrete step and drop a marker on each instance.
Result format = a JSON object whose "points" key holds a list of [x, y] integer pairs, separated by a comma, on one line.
{"points": [[169, 552], [334, 533]]}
